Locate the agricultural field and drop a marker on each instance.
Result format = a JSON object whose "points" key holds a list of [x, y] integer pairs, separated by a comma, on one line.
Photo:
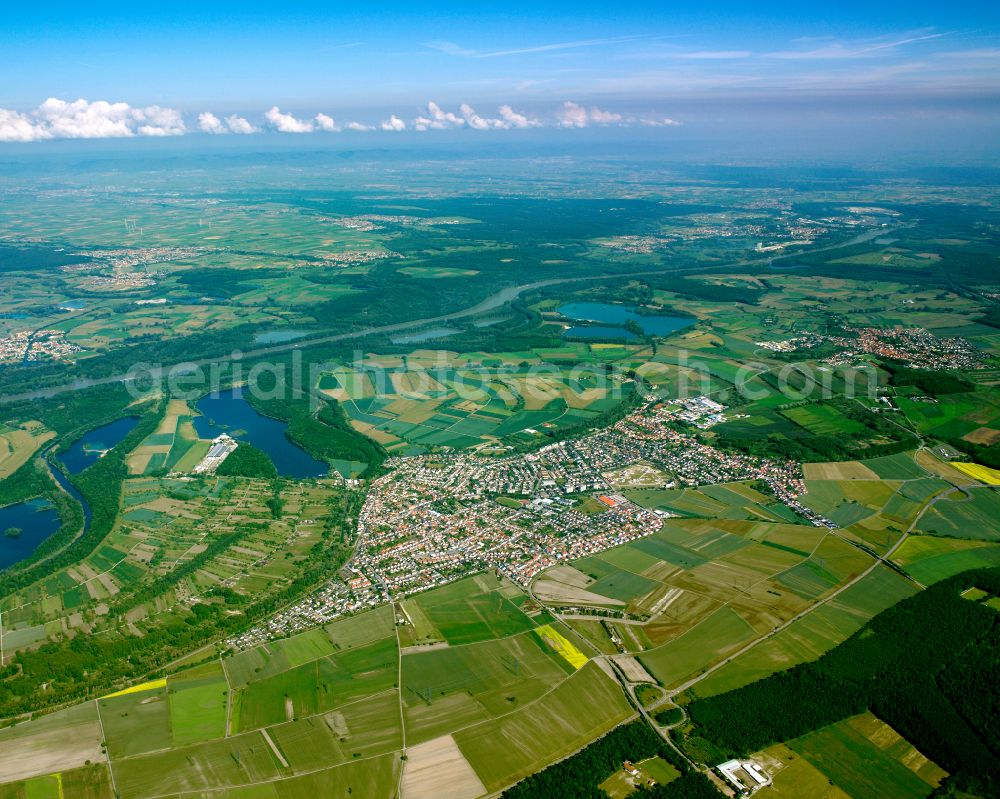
{"points": [[184, 536], [722, 501], [329, 709], [808, 638], [19, 442], [429, 399], [972, 417], [173, 447], [858, 757], [972, 514], [930, 558], [180, 645], [467, 611], [687, 597], [822, 420]]}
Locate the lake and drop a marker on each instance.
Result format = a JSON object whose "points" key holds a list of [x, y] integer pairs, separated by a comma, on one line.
{"points": [[658, 325], [231, 413], [599, 332], [36, 519], [94, 443]]}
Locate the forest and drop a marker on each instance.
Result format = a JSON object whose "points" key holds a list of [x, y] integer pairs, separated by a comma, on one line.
{"points": [[247, 461], [578, 776]]}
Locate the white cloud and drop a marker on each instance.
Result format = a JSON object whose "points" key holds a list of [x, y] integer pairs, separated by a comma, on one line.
{"points": [[443, 117], [572, 115], [516, 120], [238, 124], [82, 119], [85, 120], [325, 123], [434, 118], [604, 117], [393, 123], [159, 121], [477, 122], [19, 127], [286, 123], [210, 123]]}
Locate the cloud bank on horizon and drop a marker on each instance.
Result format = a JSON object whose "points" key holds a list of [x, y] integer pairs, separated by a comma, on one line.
{"points": [[541, 64], [59, 119], [83, 119]]}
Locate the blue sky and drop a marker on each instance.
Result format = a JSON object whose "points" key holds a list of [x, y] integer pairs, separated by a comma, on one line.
{"points": [[649, 65]]}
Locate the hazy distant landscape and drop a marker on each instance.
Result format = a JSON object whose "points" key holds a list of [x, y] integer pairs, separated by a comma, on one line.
{"points": [[623, 423]]}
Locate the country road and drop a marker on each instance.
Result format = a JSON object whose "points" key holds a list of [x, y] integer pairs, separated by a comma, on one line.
{"points": [[785, 625]]}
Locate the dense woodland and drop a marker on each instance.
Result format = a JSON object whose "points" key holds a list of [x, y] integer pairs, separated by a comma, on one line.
{"points": [[578, 776], [247, 461], [933, 384]]}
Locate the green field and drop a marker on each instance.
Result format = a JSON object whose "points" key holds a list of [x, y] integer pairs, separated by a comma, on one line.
{"points": [[847, 754], [809, 637], [460, 401], [317, 686], [199, 702], [464, 612], [972, 517], [721, 633], [581, 708], [822, 420], [447, 688], [933, 558]]}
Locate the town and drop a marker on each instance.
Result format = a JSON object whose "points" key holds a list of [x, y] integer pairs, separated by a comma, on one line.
{"points": [[26, 346], [436, 518], [916, 347]]}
